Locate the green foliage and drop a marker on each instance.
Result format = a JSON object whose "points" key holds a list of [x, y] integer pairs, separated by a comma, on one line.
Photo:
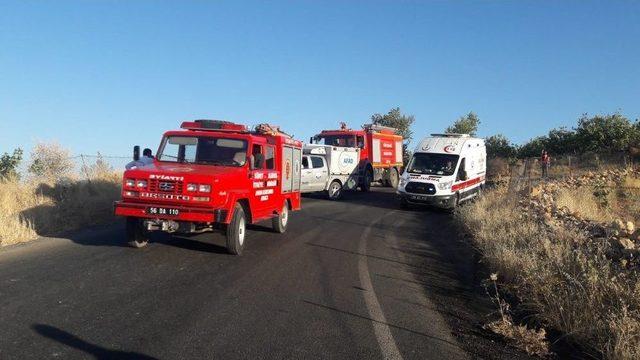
{"points": [[604, 133], [395, 119], [533, 148], [597, 134], [467, 124], [561, 141], [9, 163], [499, 146]]}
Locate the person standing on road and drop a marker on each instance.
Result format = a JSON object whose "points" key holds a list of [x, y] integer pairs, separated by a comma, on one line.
{"points": [[545, 162], [145, 159]]}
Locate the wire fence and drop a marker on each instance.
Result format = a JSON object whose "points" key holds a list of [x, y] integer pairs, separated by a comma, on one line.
{"points": [[84, 166], [529, 171], [93, 166]]}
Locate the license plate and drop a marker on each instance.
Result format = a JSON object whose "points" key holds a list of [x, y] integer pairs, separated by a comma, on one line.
{"points": [[163, 211], [418, 197]]}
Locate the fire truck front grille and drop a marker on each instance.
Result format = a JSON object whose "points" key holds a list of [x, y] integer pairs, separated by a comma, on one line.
{"points": [[164, 186], [420, 188]]}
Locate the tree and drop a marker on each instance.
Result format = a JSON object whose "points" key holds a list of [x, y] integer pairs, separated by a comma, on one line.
{"points": [[499, 146], [50, 160], [402, 123], [533, 148], [467, 124], [604, 133], [9, 163], [560, 141]]}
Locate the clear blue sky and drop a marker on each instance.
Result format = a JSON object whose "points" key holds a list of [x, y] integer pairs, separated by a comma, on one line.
{"points": [[105, 75]]}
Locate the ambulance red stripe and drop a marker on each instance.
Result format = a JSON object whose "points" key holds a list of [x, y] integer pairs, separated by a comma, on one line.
{"points": [[466, 184]]}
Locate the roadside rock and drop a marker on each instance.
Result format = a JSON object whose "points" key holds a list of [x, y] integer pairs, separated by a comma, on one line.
{"points": [[630, 227], [626, 244]]}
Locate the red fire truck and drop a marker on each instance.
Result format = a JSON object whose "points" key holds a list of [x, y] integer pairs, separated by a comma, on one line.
{"points": [[380, 154], [213, 175]]}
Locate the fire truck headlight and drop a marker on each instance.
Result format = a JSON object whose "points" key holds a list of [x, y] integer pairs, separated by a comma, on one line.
{"points": [[192, 187], [445, 185], [141, 183], [131, 193], [204, 188], [130, 183]]}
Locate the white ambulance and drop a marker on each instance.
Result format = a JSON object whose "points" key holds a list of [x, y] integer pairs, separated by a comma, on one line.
{"points": [[444, 170]]}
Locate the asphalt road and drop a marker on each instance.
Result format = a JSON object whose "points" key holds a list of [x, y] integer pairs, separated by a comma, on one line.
{"points": [[352, 279]]}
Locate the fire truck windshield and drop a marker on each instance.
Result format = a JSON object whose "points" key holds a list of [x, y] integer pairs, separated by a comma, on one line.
{"points": [[433, 164], [337, 140], [203, 150]]}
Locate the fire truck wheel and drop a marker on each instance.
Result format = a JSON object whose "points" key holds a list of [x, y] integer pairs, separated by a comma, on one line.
{"points": [[394, 178], [236, 231], [368, 179], [335, 190], [281, 221], [136, 236]]}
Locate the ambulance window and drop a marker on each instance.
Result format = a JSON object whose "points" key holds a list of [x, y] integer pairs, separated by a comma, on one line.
{"points": [[305, 162], [270, 158], [317, 162], [258, 157], [460, 170]]}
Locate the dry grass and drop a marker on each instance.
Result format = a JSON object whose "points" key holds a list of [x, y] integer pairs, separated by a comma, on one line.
{"points": [[48, 207], [534, 342], [560, 275], [583, 202]]}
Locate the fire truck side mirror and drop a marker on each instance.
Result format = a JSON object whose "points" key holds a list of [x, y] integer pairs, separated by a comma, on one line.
{"points": [[136, 153], [252, 163]]}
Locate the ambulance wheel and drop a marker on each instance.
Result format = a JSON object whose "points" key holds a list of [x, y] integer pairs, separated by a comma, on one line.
{"points": [[281, 221], [335, 190], [136, 236], [368, 179], [394, 178], [236, 231]]}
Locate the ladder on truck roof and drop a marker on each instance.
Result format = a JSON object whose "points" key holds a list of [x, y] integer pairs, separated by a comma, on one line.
{"points": [[451, 135], [379, 128]]}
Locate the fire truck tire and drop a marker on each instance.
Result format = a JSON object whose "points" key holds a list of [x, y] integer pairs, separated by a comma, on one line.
{"points": [[236, 231], [394, 178], [335, 190], [281, 221], [136, 236], [368, 179]]}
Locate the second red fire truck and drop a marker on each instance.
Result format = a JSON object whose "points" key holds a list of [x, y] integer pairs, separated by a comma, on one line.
{"points": [[213, 175], [380, 152]]}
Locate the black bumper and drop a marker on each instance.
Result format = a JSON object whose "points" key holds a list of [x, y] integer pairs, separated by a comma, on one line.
{"points": [[441, 201]]}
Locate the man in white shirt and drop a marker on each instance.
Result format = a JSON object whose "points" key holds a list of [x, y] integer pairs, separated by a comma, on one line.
{"points": [[145, 159]]}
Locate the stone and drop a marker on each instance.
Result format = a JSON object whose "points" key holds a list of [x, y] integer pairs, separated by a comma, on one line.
{"points": [[618, 225], [630, 227], [626, 244]]}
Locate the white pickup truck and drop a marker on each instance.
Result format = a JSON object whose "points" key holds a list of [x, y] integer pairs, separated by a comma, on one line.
{"points": [[331, 169]]}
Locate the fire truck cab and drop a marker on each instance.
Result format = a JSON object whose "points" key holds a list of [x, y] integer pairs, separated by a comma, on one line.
{"points": [[213, 175], [444, 170], [380, 152]]}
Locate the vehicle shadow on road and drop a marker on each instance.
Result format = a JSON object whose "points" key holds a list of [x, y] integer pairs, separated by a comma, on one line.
{"points": [[207, 242], [98, 352], [384, 198]]}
